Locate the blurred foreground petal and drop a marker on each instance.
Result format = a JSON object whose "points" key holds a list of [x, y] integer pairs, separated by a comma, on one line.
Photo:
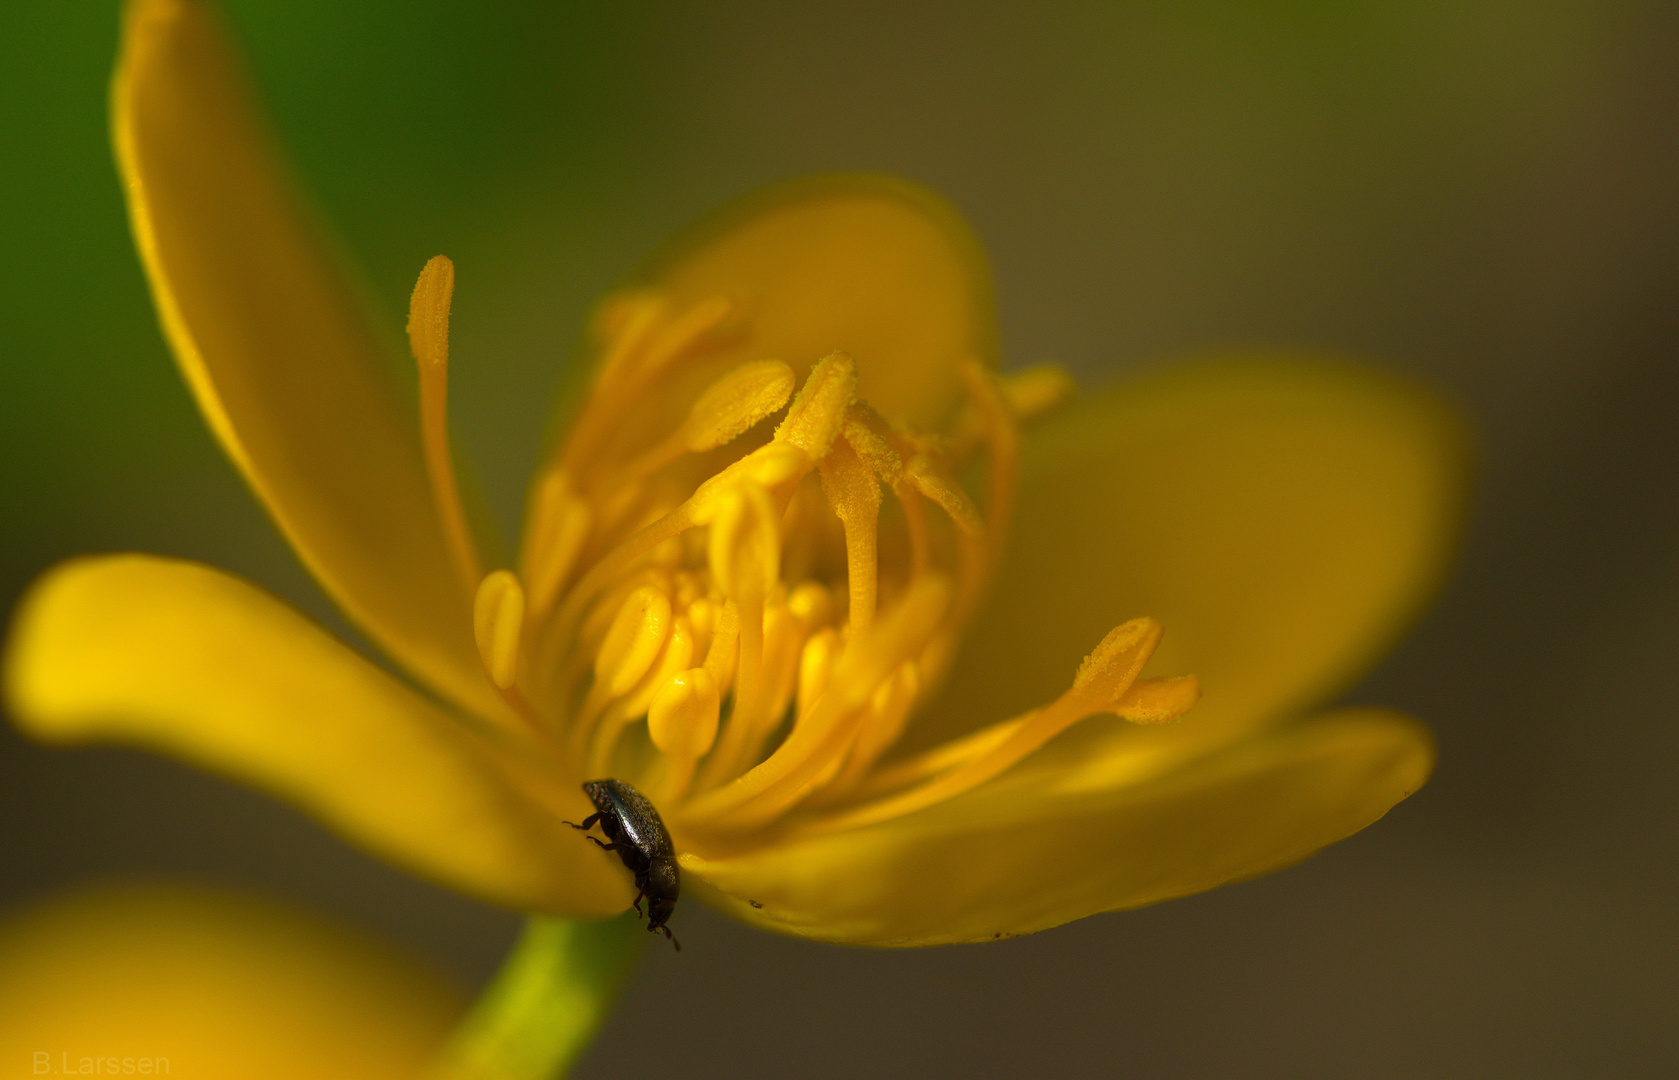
{"points": [[208, 985]]}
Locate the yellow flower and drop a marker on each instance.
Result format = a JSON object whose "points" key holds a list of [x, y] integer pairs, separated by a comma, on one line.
{"points": [[777, 510], [163, 981]]}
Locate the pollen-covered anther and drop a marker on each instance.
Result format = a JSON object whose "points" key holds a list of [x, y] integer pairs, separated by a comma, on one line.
{"points": [[727, 408], [498, 619], [735, 402], [818, 413]]}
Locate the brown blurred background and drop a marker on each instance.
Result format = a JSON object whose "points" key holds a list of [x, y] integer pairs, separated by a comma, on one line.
{"points": [[1479, 194]]}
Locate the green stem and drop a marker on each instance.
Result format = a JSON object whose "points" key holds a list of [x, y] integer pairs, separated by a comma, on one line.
{"points": [[545, 1004]]}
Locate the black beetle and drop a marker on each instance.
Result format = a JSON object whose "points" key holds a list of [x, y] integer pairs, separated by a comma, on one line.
{"points": [[639, 837]]}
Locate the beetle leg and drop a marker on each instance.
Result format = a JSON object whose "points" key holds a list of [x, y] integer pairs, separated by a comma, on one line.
{"points": [[602, 844], [670, 937], [588, 823], [637, 901]]}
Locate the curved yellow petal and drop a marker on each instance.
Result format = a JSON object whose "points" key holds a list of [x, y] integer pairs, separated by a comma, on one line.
{"points": [[1283, 520], [1037, 850], [873, 266], [190, 661], [275, 345], [175, 982]]}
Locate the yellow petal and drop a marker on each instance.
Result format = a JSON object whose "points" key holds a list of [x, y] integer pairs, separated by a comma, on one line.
{"points": [[876, 267], [212, 985], [1283, 520], [276, 345], [190, 661], [1044, 847]]}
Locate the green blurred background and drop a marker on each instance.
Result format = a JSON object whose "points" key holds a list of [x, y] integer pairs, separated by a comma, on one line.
{"points": [[1479, 194]]}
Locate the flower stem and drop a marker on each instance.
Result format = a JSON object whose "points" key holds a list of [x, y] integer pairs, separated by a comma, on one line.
{"points": [[545, 1004]]}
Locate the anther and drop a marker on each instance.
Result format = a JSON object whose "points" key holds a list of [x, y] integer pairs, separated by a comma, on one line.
{"points": [[682, 722], [682, 719], [816, 662], [633, 642], [675, 658], [1033, 391], [1099, 686], [811, 604], [818, 413], [735, 402], [871, 436], [498, 619], [1156, 701], [727, 408]]}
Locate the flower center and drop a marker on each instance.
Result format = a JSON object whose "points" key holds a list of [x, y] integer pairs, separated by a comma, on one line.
{"points": [[741, 620]]}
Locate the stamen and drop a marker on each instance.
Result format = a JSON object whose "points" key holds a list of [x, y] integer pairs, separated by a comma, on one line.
{"points": [[498, 620], [883, 722], [558, 530], [735, 402], [623, 327], [897, 775], [725, 410], [854, 493], [816, 662], [784, 639], [1003, 440], [784, 777], [637, 634], [819, 411], [428, 336], [745, 547], [1099, 686], [745, 560], [628, 646], [681, 334], [674, 659], [641, 343], [1149, 701], [932, 481], [871, 436], [725, 640], [682, 722], [1031, 392], [812, 605]]}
